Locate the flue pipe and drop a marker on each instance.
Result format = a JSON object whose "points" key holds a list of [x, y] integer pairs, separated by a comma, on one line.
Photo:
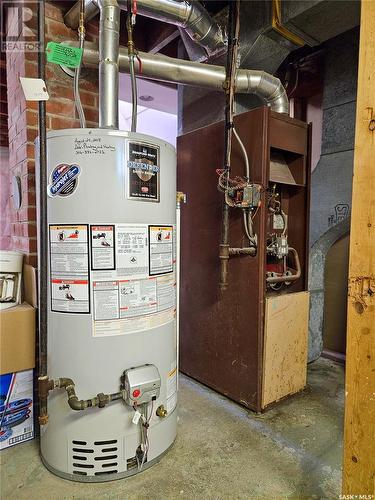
{"points": [[189, 15], [108, 58], [168, 69]]}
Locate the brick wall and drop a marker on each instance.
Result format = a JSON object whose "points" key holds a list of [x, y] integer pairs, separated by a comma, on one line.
{"points": [[23, 119]]}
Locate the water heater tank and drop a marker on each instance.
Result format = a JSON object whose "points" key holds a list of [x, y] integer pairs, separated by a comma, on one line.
{"points": [[111, 301]]}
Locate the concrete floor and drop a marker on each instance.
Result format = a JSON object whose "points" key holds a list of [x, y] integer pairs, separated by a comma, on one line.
{"points": [[222, 451]]}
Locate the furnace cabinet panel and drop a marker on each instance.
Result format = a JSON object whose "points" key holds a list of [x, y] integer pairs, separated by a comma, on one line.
{"points": [[230, 340]]}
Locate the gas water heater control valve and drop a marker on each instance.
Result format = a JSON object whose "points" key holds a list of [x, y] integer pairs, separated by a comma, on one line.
{"points": [[141, 384], [279, 247]]}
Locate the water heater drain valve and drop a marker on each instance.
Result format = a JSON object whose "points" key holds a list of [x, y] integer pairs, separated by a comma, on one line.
{"points": [[141, 385]]}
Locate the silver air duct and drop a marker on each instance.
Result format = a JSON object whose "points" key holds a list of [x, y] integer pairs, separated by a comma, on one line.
{"points": [[189, 15], [168, 69], [108, 62]]}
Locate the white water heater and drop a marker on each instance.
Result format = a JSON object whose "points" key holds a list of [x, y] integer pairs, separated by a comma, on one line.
{"points": [[111, 302]]}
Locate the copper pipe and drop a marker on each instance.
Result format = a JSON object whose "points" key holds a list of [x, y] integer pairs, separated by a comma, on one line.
{"points": [[287, 279]]}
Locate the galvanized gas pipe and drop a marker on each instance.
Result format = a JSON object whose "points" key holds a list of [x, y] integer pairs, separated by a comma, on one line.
{"points": [[109, 28]]}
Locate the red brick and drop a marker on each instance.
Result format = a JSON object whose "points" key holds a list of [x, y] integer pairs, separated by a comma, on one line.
{"points": [[53, 12], [21, 122], [32, 259], [57, 29], [25, 244], [13, 216], [30, 151], [28, 230], [31, 70], [24, 168], [64, 107], [32, 118], [28, 183], [21, 153], [32, 134], [31, 57], [58, 123], [12, 133], [91, 85], [29, 197], [32, 105], [27, 214], [91, 114], [33, 246], [88, 99], [16, 229], [60, 91]]}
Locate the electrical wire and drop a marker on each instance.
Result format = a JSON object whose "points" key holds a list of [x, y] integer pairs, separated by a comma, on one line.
{"points": [[244, 153], [144, 435], [285, 219], [134, 94], [77, 72]]}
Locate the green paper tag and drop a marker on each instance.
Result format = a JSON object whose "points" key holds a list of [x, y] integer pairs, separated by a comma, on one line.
{"points": [[57, 53]]}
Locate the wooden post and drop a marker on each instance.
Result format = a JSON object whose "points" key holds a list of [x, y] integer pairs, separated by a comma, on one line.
{"points": [[359, 431]]}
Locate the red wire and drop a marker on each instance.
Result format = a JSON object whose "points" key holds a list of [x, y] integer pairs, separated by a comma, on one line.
{"points": [[134, 10]]}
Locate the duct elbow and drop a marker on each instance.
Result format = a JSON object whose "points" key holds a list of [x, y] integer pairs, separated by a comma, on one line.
{"points": [[71, 18], [272, 91], [266, 86], [279, 101], [202, 28]]}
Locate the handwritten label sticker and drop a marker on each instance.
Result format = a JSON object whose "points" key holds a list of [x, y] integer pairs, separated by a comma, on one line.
{"points": [[57, 53], [92, 146]]}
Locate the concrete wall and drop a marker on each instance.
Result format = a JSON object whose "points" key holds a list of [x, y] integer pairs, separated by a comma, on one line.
{"points": [[332, 179]]}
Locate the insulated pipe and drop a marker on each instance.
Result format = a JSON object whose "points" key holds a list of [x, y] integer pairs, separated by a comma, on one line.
{"points": [[108, 62], [189, 15], [168, 69]]}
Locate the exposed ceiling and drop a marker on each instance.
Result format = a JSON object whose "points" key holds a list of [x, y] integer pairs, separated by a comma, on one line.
{"points": [[151, 35], [164, 97]]}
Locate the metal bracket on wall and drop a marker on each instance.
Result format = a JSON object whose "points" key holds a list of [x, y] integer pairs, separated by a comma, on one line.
{"points": [[278, 26]]}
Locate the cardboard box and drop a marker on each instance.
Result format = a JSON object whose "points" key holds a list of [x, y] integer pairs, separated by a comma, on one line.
{"points": [[17, 330], [16, 408]]}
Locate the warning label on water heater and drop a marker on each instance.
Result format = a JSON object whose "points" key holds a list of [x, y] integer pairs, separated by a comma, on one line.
{"points": [[139, 293], [69, 265], [161, 249], [102, 247], [135, 304]]}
